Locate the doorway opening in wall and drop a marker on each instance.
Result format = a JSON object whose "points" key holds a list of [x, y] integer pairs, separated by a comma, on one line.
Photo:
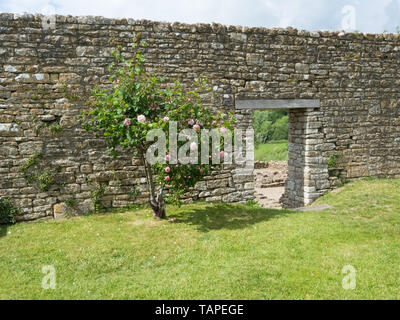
{"points": [[271, 130], [298, 185]]}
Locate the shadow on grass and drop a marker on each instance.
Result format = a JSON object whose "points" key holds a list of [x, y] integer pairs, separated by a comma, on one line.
{"points": [[226, 216], [3, 230]]}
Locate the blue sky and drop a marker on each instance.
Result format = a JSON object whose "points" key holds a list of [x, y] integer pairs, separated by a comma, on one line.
{"points": [[373, 16]]}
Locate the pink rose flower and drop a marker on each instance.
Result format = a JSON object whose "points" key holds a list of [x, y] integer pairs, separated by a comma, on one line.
{"points": [[167, 157], [221, 154], [167, 169], [201, 170], [193, 146], [127, 122], [167, 178], [196, 127], [141, 118], [166, 119]]}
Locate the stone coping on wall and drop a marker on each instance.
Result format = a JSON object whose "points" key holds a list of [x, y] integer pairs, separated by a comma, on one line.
{"points": [[203, 27]]}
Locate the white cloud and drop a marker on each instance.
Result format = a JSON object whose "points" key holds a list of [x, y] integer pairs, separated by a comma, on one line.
{"points": [[372, 15]]}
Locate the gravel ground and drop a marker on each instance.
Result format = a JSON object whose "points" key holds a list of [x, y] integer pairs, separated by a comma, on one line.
{"points": [[269, 197], [269, 179]]}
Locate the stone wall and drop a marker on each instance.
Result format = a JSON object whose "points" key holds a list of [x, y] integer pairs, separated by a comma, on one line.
{"points": [[355, 77]]}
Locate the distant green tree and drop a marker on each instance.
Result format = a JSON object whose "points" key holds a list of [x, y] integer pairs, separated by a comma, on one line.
{"points": [[281, 129], [264, 132], [270, 125]]}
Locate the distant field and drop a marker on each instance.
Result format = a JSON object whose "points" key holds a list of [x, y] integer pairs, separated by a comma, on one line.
{"points": [[272, 151]]}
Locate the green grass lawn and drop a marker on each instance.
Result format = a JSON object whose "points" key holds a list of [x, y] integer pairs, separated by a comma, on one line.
{"points": [[214, 251], [272, 151]]}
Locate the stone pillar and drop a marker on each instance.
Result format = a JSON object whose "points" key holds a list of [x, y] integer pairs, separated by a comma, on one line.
{"points": [[242, 175], [308, 176]]}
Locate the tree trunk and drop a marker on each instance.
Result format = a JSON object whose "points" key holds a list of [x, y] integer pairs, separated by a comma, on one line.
{"points": [[159, 206], [157, 203]]}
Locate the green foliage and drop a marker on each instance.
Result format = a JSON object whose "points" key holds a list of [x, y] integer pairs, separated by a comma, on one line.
{"points": [[270, 125], [97, 195], [32, 173], [31, 161], [332, 162], [134, 192], [72, 97], [45, 180], [7, 211], [54, 128], [281, 129], [140, 102], [71, 202], [252, 203]]}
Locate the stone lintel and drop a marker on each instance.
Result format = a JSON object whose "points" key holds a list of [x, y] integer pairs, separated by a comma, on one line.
{"points": [[277, 104]]}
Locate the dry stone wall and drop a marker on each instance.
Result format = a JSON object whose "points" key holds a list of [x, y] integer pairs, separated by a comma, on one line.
{"points": [[45, 72]]}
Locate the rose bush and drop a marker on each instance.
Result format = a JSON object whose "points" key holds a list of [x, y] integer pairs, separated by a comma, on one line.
{"points": [[140, 102]]}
